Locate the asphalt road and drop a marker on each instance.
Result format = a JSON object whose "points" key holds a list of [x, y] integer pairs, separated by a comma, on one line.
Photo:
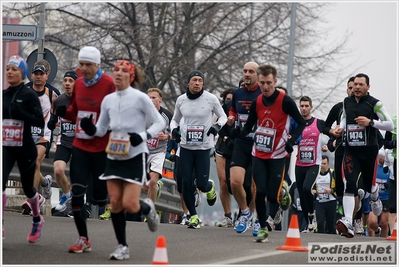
{"points": [[208, 245]]}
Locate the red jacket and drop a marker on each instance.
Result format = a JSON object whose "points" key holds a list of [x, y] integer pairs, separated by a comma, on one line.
{"points": [[89, 99]]}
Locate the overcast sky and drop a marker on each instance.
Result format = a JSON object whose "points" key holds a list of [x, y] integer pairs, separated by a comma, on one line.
{"points": [[373, 27]]}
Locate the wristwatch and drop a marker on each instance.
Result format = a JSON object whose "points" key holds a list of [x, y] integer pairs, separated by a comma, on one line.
{"points": [[371, 124]]}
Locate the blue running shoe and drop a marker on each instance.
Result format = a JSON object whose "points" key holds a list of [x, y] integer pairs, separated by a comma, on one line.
{"points": [[256, 229], [243, 223], [63, 202]]}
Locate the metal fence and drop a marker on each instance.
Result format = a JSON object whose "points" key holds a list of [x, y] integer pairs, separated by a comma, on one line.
{"points": [[169, 201]]}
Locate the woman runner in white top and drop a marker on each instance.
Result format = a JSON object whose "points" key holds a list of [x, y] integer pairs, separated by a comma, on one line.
{"points": [[125, 112]]}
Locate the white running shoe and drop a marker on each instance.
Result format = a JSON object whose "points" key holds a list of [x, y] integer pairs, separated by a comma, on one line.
{"points": [[278, 217], [121, 253], [197, 197], [376, 206], [344, 227], [357, 225], [312, 224], [270, 224], [184, 220], [47, 192], [152, 216], [227, 222], [360, 193]]}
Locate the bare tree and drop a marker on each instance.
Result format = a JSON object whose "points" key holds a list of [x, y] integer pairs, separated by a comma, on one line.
{"points": [[169, 39]]}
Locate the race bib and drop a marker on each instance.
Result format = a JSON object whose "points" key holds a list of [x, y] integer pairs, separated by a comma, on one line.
{"points": [[306, 154], [12, 132], [264, 139], [381, 185], [321, 191], [118, 144], [242, 119], [323, 196], [195, 134], [36, 131], [356, 135], [152, 143], [79, 132], [67, 128]]}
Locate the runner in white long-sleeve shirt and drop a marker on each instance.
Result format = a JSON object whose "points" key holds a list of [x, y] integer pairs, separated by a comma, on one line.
{"points": [[197, 107], [125, 112]]}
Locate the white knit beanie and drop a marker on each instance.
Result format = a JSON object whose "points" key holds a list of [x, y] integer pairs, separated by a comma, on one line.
{"points": [[90, 53]]}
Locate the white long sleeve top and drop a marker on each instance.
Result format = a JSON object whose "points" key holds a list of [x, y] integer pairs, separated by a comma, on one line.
{"points": [[198, 113], [127, 111]]}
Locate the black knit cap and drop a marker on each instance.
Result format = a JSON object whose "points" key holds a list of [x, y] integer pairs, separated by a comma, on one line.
{"points": [[195, 73], [72, 74]]}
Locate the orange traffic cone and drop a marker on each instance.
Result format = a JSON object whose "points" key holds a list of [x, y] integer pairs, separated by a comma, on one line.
{"points": [[293, 241], [160, 253], [393, 235]]}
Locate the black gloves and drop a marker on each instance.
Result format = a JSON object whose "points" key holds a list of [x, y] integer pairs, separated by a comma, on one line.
{"points": [[87, 125], [288, 147], [52, 122], [176, 134], [172, 158], [234, 133], [392, 143], [214, 129], [385, 169], [135, 139], [61, 111]]}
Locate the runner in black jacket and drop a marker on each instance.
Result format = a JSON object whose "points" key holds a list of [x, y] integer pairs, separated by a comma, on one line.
{"points": [[21, 111]]}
